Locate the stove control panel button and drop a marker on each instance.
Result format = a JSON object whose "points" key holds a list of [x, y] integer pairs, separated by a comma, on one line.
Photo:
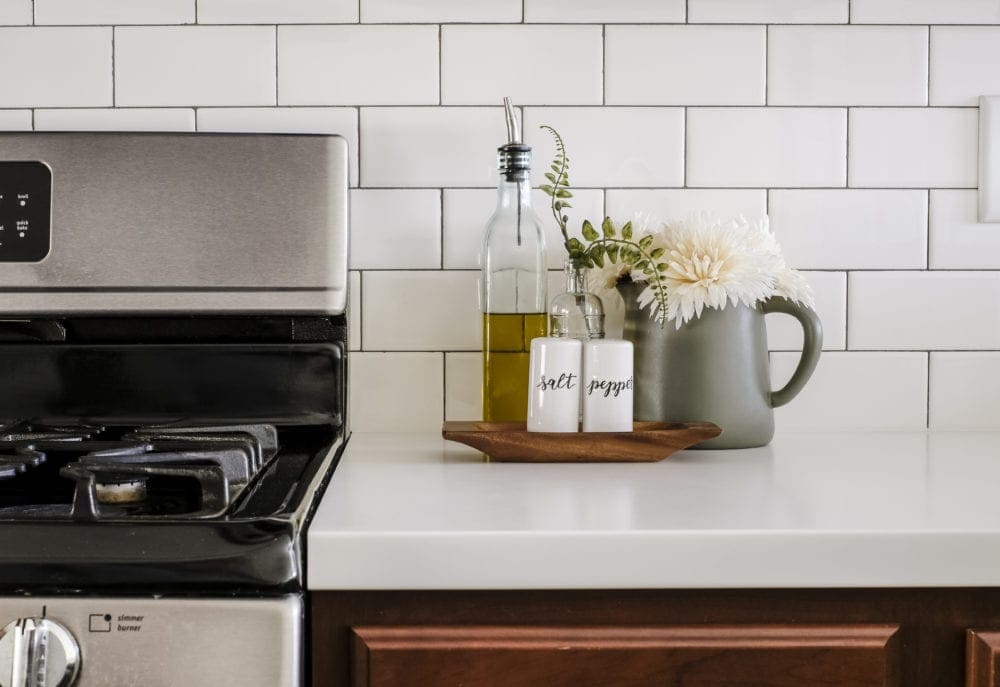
{"points": [[38, 652], [25, 213]]}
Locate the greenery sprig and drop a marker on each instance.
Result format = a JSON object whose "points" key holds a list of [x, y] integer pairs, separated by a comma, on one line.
{"points": [[618, 248]]}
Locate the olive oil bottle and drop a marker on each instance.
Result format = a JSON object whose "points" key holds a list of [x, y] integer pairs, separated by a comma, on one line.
{"points": [[513, 285]]}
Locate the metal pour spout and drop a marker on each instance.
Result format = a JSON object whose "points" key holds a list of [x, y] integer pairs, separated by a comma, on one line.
{"points": [[513, 128]]}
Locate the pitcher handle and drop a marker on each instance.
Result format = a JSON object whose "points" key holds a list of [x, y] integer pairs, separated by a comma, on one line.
{"points": [[812, 346]]}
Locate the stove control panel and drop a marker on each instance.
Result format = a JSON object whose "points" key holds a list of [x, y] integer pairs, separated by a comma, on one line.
{"points": [[25, 211]]}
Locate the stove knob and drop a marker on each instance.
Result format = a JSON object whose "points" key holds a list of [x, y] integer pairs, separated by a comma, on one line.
{"points": [[38, 652]]}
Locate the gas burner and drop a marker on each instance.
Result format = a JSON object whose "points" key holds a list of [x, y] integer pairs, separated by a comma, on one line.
{"points": [[22, 432], [15, 460]]}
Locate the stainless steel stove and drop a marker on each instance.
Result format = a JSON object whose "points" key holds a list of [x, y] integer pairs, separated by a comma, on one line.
{"points": [[173, 350]]}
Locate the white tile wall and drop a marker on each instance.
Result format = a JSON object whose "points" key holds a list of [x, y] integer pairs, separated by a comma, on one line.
{"points": [[914, 147], [478, 62], [847, 65], [754, 147], [389, 65], [114, 11], [814, 110], [851, 228], [730, 69], [965, 64], [56, 67], [196, 65]]}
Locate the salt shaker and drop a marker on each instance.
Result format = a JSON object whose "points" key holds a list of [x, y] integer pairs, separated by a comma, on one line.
{"points": [[554, 385], [607, 386]]}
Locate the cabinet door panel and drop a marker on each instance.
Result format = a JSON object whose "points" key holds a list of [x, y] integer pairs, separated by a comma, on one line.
{"points": [[758, 655], [982, 664]]}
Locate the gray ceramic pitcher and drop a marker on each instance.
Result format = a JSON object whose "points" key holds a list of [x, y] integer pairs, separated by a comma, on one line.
{"points": [[715, 368]]}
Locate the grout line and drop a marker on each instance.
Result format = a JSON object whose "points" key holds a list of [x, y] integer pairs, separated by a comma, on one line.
{"points": [[441, 225], [928, 416], [277, 99], [33, 12], [767, 65], [927, 236], [604, 64], [847, 149], [687, 149], [444, 385], [928, 90], [440, 65], [114, 78], [237, 25]]}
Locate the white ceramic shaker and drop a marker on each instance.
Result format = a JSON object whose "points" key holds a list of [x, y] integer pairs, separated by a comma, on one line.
{"points": [[554, 385], [607, 385]]}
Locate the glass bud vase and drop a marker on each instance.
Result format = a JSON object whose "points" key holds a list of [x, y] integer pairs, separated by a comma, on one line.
{"points": [[577, 313]]}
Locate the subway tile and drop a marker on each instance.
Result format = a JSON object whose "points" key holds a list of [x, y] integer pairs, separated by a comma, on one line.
{"points": [[600, 11], [277, 11], [357, 65], [445, 146], [300, 120], [395, 229], [396, 392], [847, 65], [856, 391], [622, 146], [659, 205], [421, 311], [923, 310], [15, 120], [914, 147], [958, 239], [851, 228], [479, 65], [15, 12], [768, 11], [965, 390], [925, 12], [729, 69], [466, 212], [57, 67], [194, 65], [435, 11], [123, 119], [114, 12], [766, 146], [830, 289], [463, 391], [354, 317], [965, 64]]}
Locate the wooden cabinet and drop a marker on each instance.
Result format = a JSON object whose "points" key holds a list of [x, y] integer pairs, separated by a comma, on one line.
{"points": [[665, 638], [775, 656]]}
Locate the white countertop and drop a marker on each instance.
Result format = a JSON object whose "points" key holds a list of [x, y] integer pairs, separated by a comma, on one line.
{"points": [[903, 509]]}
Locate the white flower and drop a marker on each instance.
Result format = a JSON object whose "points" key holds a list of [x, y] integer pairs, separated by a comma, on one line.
{"points": [[711, 263]]}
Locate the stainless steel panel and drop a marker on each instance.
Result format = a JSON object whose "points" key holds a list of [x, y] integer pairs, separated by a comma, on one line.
{"points": [[168, 642], [186, 222]]}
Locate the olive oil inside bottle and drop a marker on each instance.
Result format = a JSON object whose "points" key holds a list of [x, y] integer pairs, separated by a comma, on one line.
{"points": [[506, 357]]}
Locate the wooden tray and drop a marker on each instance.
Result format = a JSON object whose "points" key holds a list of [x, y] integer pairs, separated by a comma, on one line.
{"points": [[511, 442]]}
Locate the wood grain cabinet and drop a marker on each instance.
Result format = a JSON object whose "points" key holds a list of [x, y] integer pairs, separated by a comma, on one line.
{"points": [[982, 653], [760, 655]]}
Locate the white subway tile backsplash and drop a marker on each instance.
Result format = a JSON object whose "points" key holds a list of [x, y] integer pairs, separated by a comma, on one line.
{"points": [[395, 229], [925, 11], [277, 11], [646, 11], [396, 392], [754, 147], [114, 11], [914, 147], [658, 205], [195, 65], [957, 239], [730, 69], [357, 65], [421, 311], [120, 119], [965, 390], [847, 65], [56, 67], [283, 120], [354, 314], [768, 11], [445, 146], [621, 146], [965, 64], [830, 289], [856, 391], [479, 65], [924, 310], [463, 393], [408, 11], [16, 12], [851, 228], [466, 212], [15, 120]]}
